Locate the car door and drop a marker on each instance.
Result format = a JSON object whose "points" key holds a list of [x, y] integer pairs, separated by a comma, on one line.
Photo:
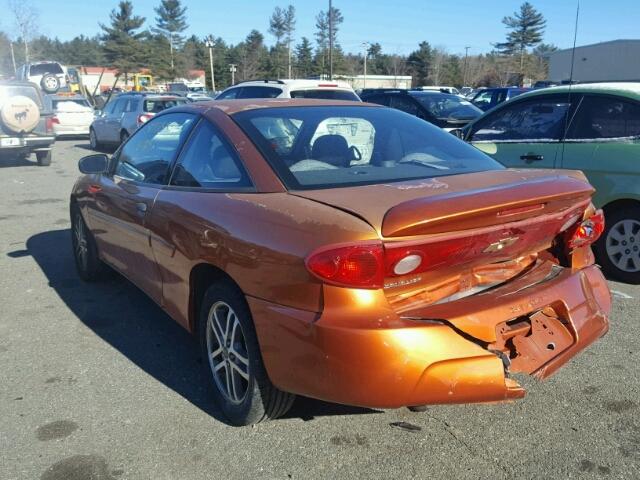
{"points": [[186, 220], [124, 198], [99, 124], [523, 133], [113, 119], [603, 141]]}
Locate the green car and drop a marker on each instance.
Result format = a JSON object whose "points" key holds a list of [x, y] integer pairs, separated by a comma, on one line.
{"points": [[594, 128]]}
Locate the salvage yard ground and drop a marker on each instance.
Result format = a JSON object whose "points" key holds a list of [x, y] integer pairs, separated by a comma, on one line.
{"points": [[96, 382]]}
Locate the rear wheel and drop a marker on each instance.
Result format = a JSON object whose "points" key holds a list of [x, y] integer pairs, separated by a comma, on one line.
{"points": [[618, 249], [93, 140], [229, 344], [85, 252], [44, 158]]}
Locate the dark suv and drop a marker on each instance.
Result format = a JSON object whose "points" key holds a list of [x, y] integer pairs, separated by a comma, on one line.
{"points": [[442, 109], [26, 126]]}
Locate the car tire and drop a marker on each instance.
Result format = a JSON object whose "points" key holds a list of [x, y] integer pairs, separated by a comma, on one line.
{"points": [[124, 135], [50, 83], [618, 249], [242, 387], [85, 251], [44, 158], [93, 140]]}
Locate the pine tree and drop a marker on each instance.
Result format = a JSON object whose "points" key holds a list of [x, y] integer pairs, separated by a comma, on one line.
{"points": [[525, 30], [420, 63], [122, 43], [289, 29], [322, 36], [277, 28], [171, 22], [304, 58]]}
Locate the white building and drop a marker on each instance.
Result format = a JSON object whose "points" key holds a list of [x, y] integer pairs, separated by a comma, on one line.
{"points": [[613, 61]]}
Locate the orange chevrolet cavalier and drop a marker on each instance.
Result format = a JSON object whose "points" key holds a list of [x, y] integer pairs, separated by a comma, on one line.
{"points": [[346, 252]]}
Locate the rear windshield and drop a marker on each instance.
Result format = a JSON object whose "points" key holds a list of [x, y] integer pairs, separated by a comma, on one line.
{"points": [[158, 105], [330, 146], [326, 94], [8, 91], [43, 68], [446, 107]]}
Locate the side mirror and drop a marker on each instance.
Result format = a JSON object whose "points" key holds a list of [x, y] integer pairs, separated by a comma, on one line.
{"points": [[94, 164]]}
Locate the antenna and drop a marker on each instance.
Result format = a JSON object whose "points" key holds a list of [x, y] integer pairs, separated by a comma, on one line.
{"points": [[573, 51], [573, 55]]}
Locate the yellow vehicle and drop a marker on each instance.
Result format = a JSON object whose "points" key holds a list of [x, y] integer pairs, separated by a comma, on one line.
{"points": [[142, 82], [74, 80]]}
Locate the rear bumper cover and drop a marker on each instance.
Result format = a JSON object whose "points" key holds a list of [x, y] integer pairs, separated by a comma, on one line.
{"points": [[368, 356]]}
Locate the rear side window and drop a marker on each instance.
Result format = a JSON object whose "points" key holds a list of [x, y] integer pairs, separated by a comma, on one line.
{"points": [[379, 99], [325, 94], [605, 117], [259, 92], [404, 103], [43, 68], [158, 105], [229, 94], [540, 120], [148, 153], [209, 162]]}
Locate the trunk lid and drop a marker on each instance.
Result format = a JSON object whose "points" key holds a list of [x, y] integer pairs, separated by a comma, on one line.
{"points": [[471, 231]]}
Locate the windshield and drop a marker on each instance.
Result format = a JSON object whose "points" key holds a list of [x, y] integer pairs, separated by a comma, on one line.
{"points": [[326, 94], [158, 105], [43, 68], [197, 89], [331, 146], [178, 87], [446, 107]]}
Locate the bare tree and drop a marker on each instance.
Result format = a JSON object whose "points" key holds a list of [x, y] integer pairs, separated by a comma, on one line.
{"points": [[26, 20], [439, 57]]}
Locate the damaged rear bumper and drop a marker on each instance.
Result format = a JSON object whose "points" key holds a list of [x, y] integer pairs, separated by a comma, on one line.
{"points": [[456, 352]]}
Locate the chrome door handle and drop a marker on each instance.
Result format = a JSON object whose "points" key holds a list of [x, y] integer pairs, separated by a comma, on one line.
{"points": [[141, 207], [530, 157]]}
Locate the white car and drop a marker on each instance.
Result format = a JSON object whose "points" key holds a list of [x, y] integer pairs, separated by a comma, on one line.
{"points": [[51, 76], [323, 89], [73, 114], [443, 89]]}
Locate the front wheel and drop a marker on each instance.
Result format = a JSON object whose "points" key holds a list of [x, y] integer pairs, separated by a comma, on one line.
{"points": [[93, 140], [232, 355], [618, 249]]}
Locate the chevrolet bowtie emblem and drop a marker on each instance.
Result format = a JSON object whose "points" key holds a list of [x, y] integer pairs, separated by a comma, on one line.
{"points": [[500, 244]]}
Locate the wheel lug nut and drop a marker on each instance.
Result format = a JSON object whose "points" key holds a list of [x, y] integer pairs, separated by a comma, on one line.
{"points": [[624, 243], [627, 251]]}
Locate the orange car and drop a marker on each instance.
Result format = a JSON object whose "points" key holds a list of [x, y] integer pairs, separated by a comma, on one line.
{"points": [[345, 251]]}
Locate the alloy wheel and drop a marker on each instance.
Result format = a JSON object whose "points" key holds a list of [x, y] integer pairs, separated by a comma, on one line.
{"points": [[227, 352], [80, 236], [623, 245]]}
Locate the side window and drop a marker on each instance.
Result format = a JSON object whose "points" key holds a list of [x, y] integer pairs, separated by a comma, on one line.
{"points": [[108, 108], [132, 105], [147, 155], [379, 99], [539, 120], [404, 103], [209, 162], [605, 117], [259, 92], [229, 94], [118, 108], [483, 99]]}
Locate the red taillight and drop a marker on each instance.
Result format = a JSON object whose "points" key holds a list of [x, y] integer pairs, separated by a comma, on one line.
{"points": [[145, 117], [359, 265], [50, 122], [586, 232]]}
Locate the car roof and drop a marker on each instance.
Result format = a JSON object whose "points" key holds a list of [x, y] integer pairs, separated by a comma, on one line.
{"points": [[293, 83], [234, 106], [625, 89]]}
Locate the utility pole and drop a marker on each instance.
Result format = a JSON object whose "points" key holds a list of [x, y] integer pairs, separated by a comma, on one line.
{"points": [[464, 75], [13, 56], [330, 41], [209, 44], [233, 69], [365, 45]]}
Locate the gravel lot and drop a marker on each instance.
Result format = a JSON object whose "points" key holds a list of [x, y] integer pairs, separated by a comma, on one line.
{"points": [[97, 383]]}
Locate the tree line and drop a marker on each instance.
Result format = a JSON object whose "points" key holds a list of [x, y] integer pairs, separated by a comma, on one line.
{"points": [[168, 53]]}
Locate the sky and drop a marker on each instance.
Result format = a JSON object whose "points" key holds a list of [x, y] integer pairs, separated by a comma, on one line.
{"points": [[398, 25]]}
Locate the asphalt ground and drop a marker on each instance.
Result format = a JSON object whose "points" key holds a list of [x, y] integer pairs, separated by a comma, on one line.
{"points": [[96, 382]]}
